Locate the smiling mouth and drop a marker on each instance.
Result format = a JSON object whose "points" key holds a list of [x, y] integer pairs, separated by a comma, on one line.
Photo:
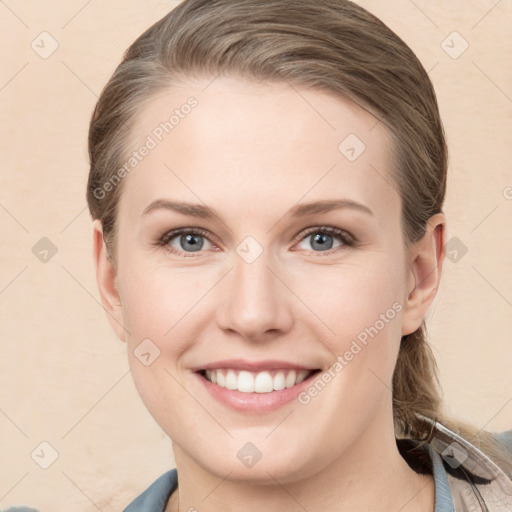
{"points": [[256, 382]]}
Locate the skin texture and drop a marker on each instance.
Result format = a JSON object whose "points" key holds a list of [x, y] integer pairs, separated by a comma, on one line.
{"points": [[252, 151]]}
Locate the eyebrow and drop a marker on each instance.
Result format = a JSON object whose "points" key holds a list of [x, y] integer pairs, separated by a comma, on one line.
{"points": [[300, 210]]}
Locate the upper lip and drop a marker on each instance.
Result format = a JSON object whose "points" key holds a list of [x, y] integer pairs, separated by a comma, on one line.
{"points": [[252, 366]]}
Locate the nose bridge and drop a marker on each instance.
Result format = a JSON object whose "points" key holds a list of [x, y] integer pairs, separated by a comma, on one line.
{"points": [[252, 302]]}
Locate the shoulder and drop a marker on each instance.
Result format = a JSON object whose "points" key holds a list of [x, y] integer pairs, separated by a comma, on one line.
{"points": [[505, 439], [472, 476], [21, 509], [156, 496]]}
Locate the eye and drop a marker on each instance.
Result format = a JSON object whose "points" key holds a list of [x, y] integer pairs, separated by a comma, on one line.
{"points": [[322, 238], [186, 240]]}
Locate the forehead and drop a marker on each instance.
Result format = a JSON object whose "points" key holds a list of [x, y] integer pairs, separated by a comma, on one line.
{"points": [[231, 141]]}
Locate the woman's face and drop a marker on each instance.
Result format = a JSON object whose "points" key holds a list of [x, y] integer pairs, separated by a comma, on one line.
{"points": [[290, 258]]}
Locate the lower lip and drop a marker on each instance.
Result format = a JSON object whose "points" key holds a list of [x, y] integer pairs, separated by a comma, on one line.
{"points": [[255, 402]]}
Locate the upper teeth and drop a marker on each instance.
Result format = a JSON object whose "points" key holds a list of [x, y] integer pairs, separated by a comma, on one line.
{"points": [[262, 382]]}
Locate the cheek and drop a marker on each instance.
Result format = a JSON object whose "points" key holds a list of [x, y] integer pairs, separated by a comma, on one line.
{"points": [[164, 312], [156, 300], [361, 325], [358, 314], [349, 297], [155, 306]]}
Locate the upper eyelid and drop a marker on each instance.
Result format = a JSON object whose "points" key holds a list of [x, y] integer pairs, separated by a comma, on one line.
{"points": [[331, 230], [173, 233]]}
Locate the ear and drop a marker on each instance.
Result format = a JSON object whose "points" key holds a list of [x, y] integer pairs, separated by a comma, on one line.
{"points": [[106, 280], [425, 262]]}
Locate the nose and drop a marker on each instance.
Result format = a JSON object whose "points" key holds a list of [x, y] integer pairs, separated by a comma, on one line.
{"points": [[254, 302]]}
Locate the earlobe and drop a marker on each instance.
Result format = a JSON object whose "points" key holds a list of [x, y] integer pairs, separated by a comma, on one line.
{"points": [[106, 280], [425, 260]]}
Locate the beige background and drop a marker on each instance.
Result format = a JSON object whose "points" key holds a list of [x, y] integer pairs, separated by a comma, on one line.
{"points": [[64, 375]]}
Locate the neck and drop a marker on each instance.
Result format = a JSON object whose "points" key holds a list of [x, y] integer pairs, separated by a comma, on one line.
{"points": [[370, 475]]}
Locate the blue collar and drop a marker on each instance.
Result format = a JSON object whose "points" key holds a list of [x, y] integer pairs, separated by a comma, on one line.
{"points": [[156, 496]]}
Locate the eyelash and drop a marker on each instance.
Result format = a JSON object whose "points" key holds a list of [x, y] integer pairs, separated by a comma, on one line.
{"points": [[347, 239]]}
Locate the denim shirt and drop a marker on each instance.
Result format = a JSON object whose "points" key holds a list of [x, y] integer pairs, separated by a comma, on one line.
{"points": [[465, 479]]}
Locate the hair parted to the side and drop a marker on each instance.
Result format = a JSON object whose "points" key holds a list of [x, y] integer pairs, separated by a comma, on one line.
{"points": [[331, 45]]}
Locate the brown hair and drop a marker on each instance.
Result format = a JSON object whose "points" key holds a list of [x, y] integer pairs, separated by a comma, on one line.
{"points": [[331, 45]]}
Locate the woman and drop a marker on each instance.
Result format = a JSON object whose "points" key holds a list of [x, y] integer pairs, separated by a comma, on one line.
{"points": [[267, 182]]}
